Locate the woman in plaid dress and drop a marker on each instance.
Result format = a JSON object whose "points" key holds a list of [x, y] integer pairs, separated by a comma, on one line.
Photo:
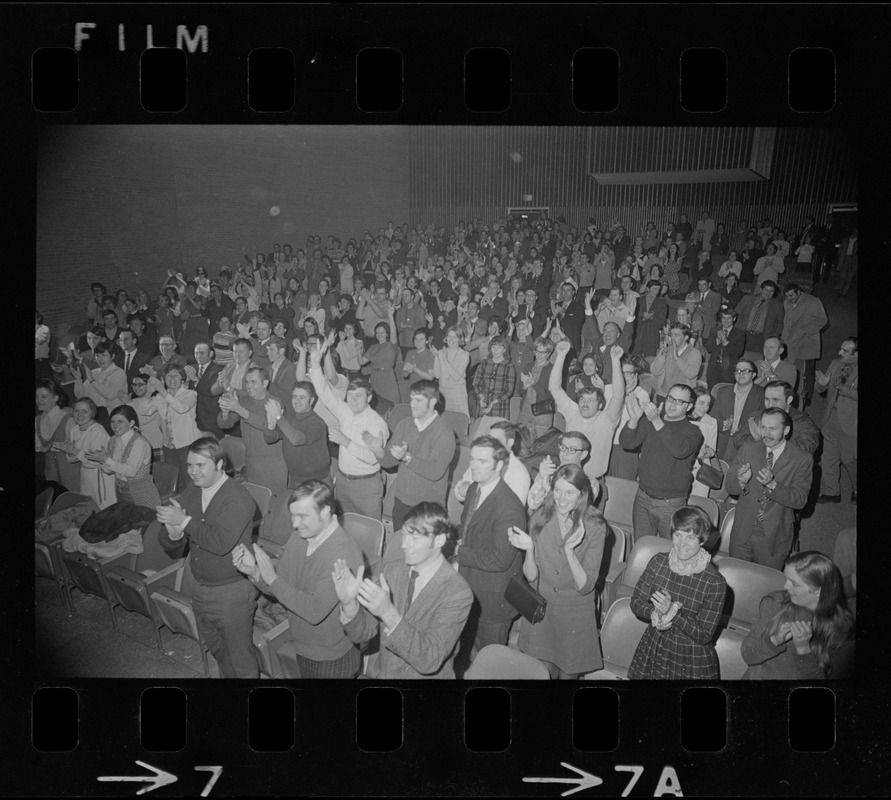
{"points": [[681, 594], [494, 381]]}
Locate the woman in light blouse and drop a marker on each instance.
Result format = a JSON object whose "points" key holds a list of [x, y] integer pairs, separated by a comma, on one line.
{"points": [[106, 385], [151, 410], [88, 437], [128, 457], [179, 426]]}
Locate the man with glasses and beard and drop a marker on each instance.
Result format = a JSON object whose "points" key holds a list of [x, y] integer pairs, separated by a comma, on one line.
{"points": [[668, 444], [735, 404]]}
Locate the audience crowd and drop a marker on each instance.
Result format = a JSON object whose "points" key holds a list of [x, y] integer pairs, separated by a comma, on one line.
{"points": [[573, 355]]}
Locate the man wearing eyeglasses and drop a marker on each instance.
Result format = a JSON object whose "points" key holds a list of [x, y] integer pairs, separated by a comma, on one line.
{"points": [[735, 404], [668, 444], [574, 448]]}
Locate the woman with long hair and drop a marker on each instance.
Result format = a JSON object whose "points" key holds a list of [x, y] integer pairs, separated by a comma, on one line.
{"points": [[806, 631], [128, 457], [450, 369], [681, 595], [563, 554]]}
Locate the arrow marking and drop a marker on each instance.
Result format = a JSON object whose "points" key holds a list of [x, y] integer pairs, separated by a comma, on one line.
{"points": [[160, 778], [586, 781]]}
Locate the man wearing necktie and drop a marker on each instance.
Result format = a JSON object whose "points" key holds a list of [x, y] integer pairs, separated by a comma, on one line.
{"points": [[419, 605], [840, 385], [129, 358], [202, 376], [486, 558], [772, 478]]}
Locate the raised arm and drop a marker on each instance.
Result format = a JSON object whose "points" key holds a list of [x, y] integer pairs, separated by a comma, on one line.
{"points": [[617, 400]]}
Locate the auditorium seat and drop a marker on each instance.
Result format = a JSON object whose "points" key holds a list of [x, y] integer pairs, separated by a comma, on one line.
{"points": [[747, 583], [495, 662], [619, 637], [174, 609], [624, 576]]}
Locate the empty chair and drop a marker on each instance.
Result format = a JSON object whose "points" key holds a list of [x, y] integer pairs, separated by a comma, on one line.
{"points": [[368, 533], [495, 662], [624, 576], [268, 644], [613, 554], [87, 575], [69, 500], [404, 393], [399, 413], [262, 496], [620, 504], [619, 637], [708, 505], [48, 564], [459, 423], [723, 543], [165, 476], [730, 658], [42, 502], [131, 587], [714, 390], [747, 583], [233, 447], [481, 426], [174, 609]]}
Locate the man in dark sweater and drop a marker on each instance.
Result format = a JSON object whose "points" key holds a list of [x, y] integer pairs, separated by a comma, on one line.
{"points": [[423, 445], [668, 445], [213, 516]]}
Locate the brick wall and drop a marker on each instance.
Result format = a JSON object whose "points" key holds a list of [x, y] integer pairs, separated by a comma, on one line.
{"points": [[122, 204]]}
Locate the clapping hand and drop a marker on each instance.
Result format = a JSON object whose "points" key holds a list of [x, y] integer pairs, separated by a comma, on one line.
{"points": [[764, 476], [801, 636], [244, 561], [172, 514], [264, 565], [744, 474], [651, 410], [461, 489], [661, 600], [519, 539], [635, 410], [376, 598], [398, 451], [372, 442], [273, 412], [347, 585], [754, 429], [191, 374], [574, 539]]}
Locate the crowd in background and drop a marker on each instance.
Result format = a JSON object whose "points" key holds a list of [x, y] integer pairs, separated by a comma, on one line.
{"points": [[682, 347]]}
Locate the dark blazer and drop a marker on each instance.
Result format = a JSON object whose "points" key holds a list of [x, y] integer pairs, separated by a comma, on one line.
{"points": [[846, 404], [208, 406], [727, 354], [710, 308], [487, 560], [139, 360], [571, 321], [285, 379], [793, 471], [773, 318], [423, 644], [723, 409]]}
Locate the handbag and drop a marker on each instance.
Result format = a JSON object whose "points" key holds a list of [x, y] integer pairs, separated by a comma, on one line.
{"points": [[525, 599], [710, 476], [543, 407]]}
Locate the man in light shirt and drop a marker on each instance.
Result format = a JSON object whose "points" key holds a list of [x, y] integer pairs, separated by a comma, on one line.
{"points": [[301, 582], [419, 606], [361, 438], [213, 516]]}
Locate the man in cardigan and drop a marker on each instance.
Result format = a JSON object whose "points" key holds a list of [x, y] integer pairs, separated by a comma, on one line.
{"points": [[301, 582], [486, 559], [765, 515], [213, 517], [419, 607], [668, 443], [423, 445]]}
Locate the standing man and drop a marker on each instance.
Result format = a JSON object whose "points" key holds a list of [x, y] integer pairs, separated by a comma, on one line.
{"points": [[282, 374], [847, 263], [726, 346], [260, 342], [232, 377], [486, 559], [709, 306], [677, 361], [804, 318], [214, 516], [361, 438], [778, 394], [735, 404], [669, 444], [423, 446], [301, 582], [773, 367], [571, 315], [419, 607], [129, 358], [201, 378], [839, 422], [760, 315], [772, 478]]}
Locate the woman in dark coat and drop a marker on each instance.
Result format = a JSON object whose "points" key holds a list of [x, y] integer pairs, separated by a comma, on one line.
{"points": [[652, 312], [681, 594], [564, 550]]}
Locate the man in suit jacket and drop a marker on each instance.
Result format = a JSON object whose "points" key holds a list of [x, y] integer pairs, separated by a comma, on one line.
{"points": [[839, 422], [772, 478], [571, 315], [726, 346], [202, 376], [259, 343], [709, 306], [282, 373], [531, 311], [487, 560], [212, 517], [419, 608], [129, 358], [773, 367], [474, 328], [735, 404], [803, 320], [760, 315]]}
